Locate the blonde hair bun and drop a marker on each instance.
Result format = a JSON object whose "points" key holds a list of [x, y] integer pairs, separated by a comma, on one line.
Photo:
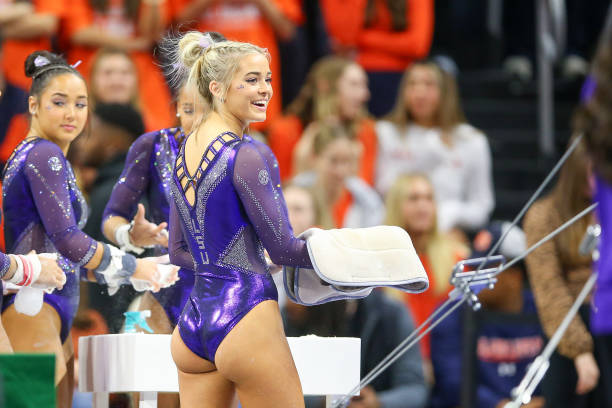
{"points": [[199, 59]]}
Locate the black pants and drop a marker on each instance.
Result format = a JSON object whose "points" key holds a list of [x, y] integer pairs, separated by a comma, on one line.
{"points": [[384, 87], [559, 384]]}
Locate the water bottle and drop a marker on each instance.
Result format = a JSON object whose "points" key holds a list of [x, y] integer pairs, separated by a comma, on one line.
{"points": [[29, 300]]}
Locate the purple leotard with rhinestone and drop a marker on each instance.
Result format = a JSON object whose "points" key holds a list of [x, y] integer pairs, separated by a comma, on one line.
{"points": [[44, 210], [148, 173], [5, 263], [239, 209]]}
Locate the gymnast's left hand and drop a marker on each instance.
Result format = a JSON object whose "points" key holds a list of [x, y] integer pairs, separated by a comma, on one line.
{"points": [[145, 233], [146, 270]]}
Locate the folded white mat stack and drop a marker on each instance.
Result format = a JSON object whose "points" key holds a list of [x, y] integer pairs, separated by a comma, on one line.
{"points": [[348, 263]]}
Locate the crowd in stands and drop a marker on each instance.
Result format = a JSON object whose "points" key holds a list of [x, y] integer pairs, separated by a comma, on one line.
{"points": [[367, 131]]}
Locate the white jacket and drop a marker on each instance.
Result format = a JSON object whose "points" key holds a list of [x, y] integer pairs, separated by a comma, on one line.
{"points": [[460, 174]]}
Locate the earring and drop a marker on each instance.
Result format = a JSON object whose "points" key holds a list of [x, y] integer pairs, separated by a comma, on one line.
{"points": [[178, 115]]}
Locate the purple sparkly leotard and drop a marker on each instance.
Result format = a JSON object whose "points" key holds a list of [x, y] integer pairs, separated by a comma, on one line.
{"points": [[239, 209], [45, 211], [148, 173], [5, 263]]}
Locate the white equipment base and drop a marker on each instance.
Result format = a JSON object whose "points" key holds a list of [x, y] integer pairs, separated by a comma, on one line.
{"points": [[142, 363]]}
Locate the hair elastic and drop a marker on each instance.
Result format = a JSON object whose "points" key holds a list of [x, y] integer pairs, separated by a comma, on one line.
{"points": [[49, 68]]}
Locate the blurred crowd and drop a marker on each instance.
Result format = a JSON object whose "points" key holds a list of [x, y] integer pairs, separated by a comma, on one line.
{"points": [[367, 130]]}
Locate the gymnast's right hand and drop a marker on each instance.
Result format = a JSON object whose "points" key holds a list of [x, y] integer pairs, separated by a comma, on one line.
{"points": [[51, 275], [145, 233]]}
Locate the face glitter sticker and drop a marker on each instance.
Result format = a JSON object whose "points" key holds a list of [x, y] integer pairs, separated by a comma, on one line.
{"points": [[263, 176], [55, 163], [241, 86]]}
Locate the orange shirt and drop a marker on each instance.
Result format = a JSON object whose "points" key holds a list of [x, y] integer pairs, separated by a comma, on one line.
{"points": [[17, 130], [155, 99], [422, 305], [286, 131], [15, 52], [283, 134], [378, 46], [341, 207], [245, 22]]}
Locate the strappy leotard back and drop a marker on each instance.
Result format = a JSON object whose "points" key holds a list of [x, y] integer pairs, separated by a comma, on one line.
{"points": [[188, 182]]}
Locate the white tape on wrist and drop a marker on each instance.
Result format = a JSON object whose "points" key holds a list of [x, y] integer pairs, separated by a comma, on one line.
{"points": [[122, 236], [18, 275], [36, 267], [28, 270]]}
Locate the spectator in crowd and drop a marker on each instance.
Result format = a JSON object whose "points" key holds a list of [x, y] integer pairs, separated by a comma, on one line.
{"points": [[27, 26], [302, 207], [131, 26], [259, 22], [381, 323], [384, 37], [507, 335], [410, 204], [336, 90], [13, 119], [344, 199], [114, 128], [426, 132], [557, 272], [113, 78]]}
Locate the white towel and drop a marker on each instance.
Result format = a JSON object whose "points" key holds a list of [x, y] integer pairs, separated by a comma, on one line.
{"points": [[349, 262]]}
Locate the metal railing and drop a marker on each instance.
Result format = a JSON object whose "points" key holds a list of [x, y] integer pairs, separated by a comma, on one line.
{"points": [[551, 27]]}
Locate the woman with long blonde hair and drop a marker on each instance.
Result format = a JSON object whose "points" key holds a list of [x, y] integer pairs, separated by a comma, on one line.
{"points": [[227, 207], [411, 205], [427, 132]]}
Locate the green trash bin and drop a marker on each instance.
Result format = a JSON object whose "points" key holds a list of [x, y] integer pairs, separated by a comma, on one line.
{"points": [[27, 380]]}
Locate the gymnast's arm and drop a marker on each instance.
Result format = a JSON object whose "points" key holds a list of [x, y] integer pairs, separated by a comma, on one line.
{"points": [[47, 175], [258, 186], [177, 247], [123, 203]]}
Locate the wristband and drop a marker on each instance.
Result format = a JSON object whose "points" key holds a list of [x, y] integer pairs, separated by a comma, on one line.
{"points": [[115, 269], [122, 236], [28, 270], [18, 275]]}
